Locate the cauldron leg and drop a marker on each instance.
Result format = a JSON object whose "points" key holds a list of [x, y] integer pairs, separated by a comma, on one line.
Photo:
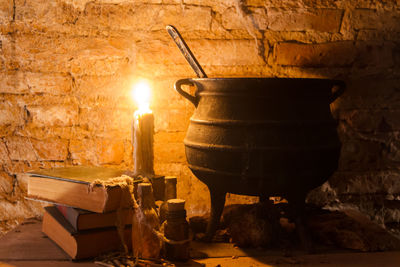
{"points": [[263, 198], [303, 233], [217, 206], [298, 207]]}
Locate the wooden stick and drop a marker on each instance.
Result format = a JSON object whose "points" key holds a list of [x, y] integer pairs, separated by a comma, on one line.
{"points": [[149, 263], [103, 264]]}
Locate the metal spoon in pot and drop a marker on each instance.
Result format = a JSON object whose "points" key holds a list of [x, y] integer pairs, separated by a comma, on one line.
{"points": [[173, 32]]}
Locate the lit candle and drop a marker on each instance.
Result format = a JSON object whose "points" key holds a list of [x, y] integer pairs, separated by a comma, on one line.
{"points": [[143, 131]]}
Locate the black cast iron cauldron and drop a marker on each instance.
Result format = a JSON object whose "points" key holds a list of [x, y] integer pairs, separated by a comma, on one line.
{"points": [[261, 136]]}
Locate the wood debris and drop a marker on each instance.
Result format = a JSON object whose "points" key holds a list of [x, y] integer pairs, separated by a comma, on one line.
{"points": [[124, 260]]}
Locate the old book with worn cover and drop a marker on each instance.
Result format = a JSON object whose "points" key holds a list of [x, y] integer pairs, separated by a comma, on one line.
{"points": [[83, 244], [84, 220], [72, 186]]}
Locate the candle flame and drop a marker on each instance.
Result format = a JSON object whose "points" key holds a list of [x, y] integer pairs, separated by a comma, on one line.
{"points": [[141, 94]]}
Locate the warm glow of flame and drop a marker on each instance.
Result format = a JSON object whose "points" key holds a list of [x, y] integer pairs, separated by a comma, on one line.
{"points": [[141, 94]]}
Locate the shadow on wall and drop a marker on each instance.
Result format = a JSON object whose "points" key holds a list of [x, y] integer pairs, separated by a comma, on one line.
{"points": [[368, 113]]}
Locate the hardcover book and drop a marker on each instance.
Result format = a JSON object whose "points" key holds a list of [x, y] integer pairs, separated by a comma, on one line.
{"points": [[82, 244], [84, 220], [87, 188]]}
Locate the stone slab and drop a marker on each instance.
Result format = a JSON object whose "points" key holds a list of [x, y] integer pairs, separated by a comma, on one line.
{"points": [[27, 242], [50, 263]]}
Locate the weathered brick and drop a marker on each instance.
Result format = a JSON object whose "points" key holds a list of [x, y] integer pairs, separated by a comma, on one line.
{"points": [[82, 3], [373, 120], [45, 62], [173, 169], [103, 119], [13, 82], [54, 84], [164, 95], [373, 152], [375, 54], [194, 192], [51, 149], [169, 152], [244, 70], [76, 55], [97, 151], [323, 20], [22, 166], [165, 70], [64, 132], [186, 18], [16, 210], [45, 17], [83, 151], [2, 64], [376, 35], [167, 137], [218, 32], [98, 65], [161, 121], [208, 52], [54, 115], [4, 157], [124, 17], [360, 183], [33, 100], [274, 3], [315, 55], [33, 53], [227, 52], [172, 142], [377, 20], [376, 4], [29, 45], [79, 62], [171, 119], [337, 54], [38, 10], [6, 183], [20, 148], [110, 87], [251, 3], [109, 151], [11, 114], [252, 19], [173, 1], [359, 156], [129, 16], [157, 52], [196, 2], [22, 180], [128, 154], [6, 11], [372, 92]]}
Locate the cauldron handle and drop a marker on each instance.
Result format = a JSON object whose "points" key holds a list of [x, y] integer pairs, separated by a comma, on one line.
{"points": [[338, 92], [178, 88]]}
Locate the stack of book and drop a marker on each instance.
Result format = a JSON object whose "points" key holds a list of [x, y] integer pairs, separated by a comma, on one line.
{"points": [[83, 217]]}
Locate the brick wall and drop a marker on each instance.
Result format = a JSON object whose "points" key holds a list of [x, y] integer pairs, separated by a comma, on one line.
{"points": [[67, 67]]}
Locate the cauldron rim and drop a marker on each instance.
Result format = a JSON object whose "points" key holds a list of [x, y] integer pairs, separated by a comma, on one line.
{"points": [[241, 84], [265, 79]]}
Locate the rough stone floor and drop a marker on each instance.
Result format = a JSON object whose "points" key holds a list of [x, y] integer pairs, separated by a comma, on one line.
{"points": [[27, 246]]}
